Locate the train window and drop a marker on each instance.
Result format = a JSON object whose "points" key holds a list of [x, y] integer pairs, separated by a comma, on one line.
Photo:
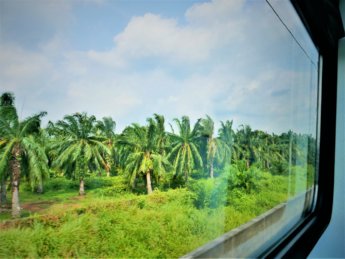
{"points": [[159, 128]]}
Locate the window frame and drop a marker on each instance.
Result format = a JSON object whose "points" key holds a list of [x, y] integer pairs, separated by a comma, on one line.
{"points": [[323, 22]]}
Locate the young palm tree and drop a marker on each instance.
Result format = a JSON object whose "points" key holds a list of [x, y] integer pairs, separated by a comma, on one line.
{"points": [[19, 144], [79, 149], [215, 147], [184, 153], [144, 157]]}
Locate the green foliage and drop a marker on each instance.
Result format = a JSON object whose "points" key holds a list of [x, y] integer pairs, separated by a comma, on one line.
{"points": [[209, 193], [133, 231], [280, 167], [184, 154], [57, 184], [146, 156], [204, 184], [240, 177], [115, 187], [127, 225], [79, 149]]}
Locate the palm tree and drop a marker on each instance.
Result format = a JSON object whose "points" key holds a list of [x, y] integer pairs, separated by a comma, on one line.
{"points": [[266, 148], [106, 129], [215, 147], [19, 144], [246, 148], [3, 186], [227, 135], [6, 108], [145, 158], [79, 149], [161, 134], [184, 153]]}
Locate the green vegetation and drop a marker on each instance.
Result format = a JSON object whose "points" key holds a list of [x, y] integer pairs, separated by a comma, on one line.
{"points": [[200, 184]]}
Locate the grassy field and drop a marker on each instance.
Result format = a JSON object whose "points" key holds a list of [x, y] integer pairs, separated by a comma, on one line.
{"points": [[112, 222]]}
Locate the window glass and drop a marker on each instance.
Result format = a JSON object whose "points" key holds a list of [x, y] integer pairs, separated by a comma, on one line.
{"points": [[170, 128]]}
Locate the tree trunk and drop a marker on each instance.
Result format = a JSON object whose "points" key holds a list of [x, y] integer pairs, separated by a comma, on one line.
{"points": [[148, 182], [40, 187], [81, 187], [15, 168], [3, 198], [211, 169], [247, 163]]}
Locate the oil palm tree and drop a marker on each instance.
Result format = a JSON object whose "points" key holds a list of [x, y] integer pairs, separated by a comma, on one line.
{"points": [[161, 134], [18, 145], [106, 129], [215, 147], [184, 152], [266, 148], [245, 143], [227, 135], [6, 108], [79, 149], [145, 158]]}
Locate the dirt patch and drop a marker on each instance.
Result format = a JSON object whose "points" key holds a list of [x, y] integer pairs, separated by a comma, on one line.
{"points": [[77, 198], [37, 206]]}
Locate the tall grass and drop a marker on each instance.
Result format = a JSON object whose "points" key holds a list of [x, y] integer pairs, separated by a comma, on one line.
{"points": [[111, 222]]}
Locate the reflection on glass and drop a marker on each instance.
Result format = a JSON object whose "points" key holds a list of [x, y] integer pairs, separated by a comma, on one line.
{"points": [[175, 121]]}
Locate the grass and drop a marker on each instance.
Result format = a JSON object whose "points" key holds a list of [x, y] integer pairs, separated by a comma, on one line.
{"points": [[112, 223]]}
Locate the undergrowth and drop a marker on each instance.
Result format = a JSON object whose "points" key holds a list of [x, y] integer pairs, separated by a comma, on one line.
{"points": [[113, 222]]}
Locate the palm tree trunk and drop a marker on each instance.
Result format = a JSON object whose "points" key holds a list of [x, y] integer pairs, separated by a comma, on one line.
{"points": [[211, 169], [3, 198], [148, 182], [81, 187], [15, 168], [40, 187]]}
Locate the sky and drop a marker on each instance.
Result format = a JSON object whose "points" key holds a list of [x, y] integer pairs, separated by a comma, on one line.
{"points": [[230, 59]]}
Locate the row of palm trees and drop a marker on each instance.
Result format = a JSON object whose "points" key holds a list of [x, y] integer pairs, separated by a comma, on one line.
{"points": [[80, 145]]}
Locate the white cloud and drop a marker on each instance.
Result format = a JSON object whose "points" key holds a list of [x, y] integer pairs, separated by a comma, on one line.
{"points": [[221, 62], [18, 66], [153, 36], [210, 27], [216, 11]]}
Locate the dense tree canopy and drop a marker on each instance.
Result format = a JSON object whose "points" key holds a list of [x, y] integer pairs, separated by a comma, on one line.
{"points": [[79, 145]]}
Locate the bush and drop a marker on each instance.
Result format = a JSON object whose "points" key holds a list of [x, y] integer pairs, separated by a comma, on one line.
{"points": [[248, 180], [100, 182], [118, 186], [280, 167], [108, 184], [61, 183], [209, 193]]}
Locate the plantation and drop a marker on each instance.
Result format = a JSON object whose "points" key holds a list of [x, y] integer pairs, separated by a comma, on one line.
{"points": [[78, 189]]}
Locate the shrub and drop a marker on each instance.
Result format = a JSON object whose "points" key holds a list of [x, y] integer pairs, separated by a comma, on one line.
{"points": [[60, 183], [115, 186], [209, 193], [280, 167]]}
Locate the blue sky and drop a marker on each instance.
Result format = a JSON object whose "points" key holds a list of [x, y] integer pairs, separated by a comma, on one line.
{"points": [[232, 60]]}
